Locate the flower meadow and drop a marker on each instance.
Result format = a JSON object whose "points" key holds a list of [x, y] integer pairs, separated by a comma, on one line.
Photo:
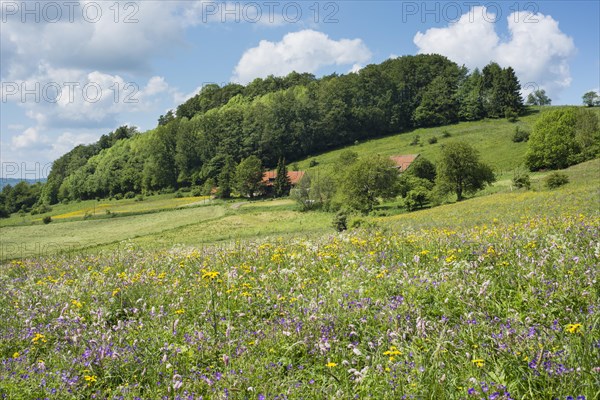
{"points": [[498, 311]]}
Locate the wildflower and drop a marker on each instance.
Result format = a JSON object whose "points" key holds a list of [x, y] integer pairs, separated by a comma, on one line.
{"points": [[180, 311], [16, 354], [39, 337], [393, 351], [574, 328], [77, 303], [478, 362], [210, 275], [330, 364], [90, 378]]}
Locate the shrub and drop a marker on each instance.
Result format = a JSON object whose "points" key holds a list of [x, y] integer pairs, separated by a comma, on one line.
{"points": [[446, 134], [555, 180], [178, 194], [4, 212], [432, 140], [521, 179], [416, 141], [416, 198], [340, 221], [313, 163], [520, 135], [511, 115], [139, 197], [129, 195], [118, 196], [41, 209], [47, 219], [196, 191]]}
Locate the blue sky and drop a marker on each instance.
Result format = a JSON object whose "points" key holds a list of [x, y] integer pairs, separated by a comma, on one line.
{"points": [[74, 71]]}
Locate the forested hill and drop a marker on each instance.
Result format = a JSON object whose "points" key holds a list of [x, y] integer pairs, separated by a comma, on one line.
{"points": [[290, 117]]}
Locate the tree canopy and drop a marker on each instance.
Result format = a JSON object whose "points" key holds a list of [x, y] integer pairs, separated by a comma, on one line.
{"points": [[459, 170]]}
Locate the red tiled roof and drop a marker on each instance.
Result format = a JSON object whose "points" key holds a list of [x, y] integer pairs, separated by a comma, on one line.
{"points": [[269, 177], [403, 162]]}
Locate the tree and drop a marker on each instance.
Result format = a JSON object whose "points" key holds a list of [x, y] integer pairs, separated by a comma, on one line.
{"points": [[538, 98], [469, 95], [369, 179], [301, 193], [165, 119], [422, 168], [438, 105], [282, 184], [226, 179], [552, 142], [248, 176], [460, 171], [591, 99]]}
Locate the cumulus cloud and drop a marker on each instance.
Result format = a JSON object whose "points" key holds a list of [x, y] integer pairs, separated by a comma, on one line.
{"points": [[537, 49], [303, 51]]}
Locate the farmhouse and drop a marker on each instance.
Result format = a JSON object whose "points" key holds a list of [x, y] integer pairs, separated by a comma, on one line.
{"points": [[269, 177], [404, 161]]}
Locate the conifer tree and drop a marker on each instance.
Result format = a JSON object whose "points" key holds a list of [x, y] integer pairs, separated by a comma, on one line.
{"points": [[282, 184]]}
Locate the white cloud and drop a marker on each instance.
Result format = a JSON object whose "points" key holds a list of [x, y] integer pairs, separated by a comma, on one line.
{"points": [[27, 139], [537, 49], [303, 51]]}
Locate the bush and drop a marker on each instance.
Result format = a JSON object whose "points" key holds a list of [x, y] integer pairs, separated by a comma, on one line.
{"points": [[432, 140], [4, 212], [446, 134], [196, 191], [511, 115], [340, 221], [41, 209], [416, 141], [118, 196], [46, 220], [139, 197], [313, 163], [521, 179], [166, 191], [129, 195], [520, 135], [178, 194], [416, 198], [555, 180]]}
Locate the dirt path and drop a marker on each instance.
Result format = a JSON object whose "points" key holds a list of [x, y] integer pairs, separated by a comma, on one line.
{"points": [[237, 205]]}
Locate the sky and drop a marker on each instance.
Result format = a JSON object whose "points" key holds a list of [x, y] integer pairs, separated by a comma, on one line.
{"points": [[74, 70]]}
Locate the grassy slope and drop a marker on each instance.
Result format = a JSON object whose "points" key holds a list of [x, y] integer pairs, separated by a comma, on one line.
{"points": [[491, 137], [221, 222]]}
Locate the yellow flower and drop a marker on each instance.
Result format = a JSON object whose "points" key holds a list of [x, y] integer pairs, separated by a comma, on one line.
{"points": [[574, 328], [330, 364], [90, 378], [210, 275], [16, 354], [38, 337], [77, 303], [479, 362], [393, 351], [180, 311]]}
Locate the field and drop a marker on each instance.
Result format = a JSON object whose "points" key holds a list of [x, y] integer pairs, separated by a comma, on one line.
{"points": [[165, 220], [494, 297]]}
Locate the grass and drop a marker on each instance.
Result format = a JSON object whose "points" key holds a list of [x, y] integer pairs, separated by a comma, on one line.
{"points": [[77, 210], [492, 297], [493, 139]]}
